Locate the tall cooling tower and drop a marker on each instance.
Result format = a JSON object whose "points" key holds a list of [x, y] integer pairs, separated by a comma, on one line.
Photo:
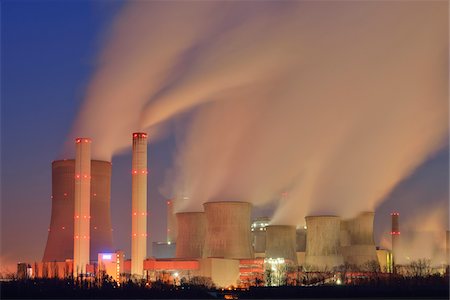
{"points": [[139, 204], [323, 250], [359, 248], [60, 236], [191, 234], [281, 242], [172, 228], [228, 230], [82, 208]]}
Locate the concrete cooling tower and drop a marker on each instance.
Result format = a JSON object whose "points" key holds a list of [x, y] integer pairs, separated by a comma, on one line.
{"points": [[191, 234], [323, 250], [301, 240], [61, 232], [358, 246], [281, 242], [228, 230]]}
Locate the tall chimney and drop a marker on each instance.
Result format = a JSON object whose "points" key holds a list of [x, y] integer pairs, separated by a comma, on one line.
{"points": [[139, 204], [395, 234], [82, 205]]}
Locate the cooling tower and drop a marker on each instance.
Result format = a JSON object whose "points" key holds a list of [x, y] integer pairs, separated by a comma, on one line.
{"points": [[60, 237], [300, 240], [228, 230], [82, 208], [172, 228], [139, 204], [191, 234], [281, 242], [323, 251], [358, 247], [258, 229]]}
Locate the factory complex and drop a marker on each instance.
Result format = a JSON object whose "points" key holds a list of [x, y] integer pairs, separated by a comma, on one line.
{"points": [[221, 243]]}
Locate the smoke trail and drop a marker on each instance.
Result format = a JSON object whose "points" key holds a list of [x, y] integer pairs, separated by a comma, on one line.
{"points": [[333, 102]]}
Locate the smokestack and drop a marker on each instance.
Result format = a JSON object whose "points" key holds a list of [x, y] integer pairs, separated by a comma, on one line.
{"points": [[139, 204], [395, 234], [281, 242], [359, 247], [172, 229], [191, 234], [323, 249], [228, 230], [82, 207], [60, 239]]}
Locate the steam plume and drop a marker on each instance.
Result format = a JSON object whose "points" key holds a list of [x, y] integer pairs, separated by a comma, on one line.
{"points": [[333, 102]]}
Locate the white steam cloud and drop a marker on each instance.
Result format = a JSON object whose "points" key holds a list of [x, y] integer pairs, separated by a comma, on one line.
{"points": [[332, 102]]}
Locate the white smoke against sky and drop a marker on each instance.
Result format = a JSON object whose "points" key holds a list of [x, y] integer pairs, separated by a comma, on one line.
{"points": [[333, 102]]}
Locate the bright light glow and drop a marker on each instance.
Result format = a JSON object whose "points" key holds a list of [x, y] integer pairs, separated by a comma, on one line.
{"points": [[168, 243], [175, 274], [106, 256], [338, 281]]}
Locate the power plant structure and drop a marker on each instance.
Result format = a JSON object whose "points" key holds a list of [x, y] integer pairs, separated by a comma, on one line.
{"points": [[172, 228], [82, 229], [357, 244], [395, 235], [139, 204], [281, 243], [219, 242], [60, 239], [323, 248], [228, 229], [191, 234]]}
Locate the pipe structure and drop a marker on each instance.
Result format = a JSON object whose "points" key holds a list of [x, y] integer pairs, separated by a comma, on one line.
{"points": [[172, 228], [82, 207], [323, 250], [395, 236], [60, 243], [228, 230], [139, 204], [191, 234], [281, 242], [359, 247]]}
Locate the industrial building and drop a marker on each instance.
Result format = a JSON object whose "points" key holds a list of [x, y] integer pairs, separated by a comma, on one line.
{"points": [[60, 239], [220, 242]]}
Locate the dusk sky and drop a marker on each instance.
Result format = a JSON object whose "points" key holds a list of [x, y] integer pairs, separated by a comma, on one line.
{"points": [[107, 68]]}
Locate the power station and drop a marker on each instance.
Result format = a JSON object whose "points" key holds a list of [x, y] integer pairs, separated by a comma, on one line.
{"points": [[220, 242]]}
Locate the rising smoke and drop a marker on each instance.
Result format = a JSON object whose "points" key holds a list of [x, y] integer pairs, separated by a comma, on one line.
{"points": [[333, 103]]}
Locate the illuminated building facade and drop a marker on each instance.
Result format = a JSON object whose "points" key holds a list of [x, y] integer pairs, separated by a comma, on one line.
{"points": [[111, 264]]}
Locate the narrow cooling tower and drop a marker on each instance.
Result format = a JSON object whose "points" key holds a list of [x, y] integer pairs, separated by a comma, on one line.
{"points": [[191, 234], [228, 230], [82, 208], [172, 230], [323, 251], [359, 247], [60, 236], [139, 204], [281, 242]]}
